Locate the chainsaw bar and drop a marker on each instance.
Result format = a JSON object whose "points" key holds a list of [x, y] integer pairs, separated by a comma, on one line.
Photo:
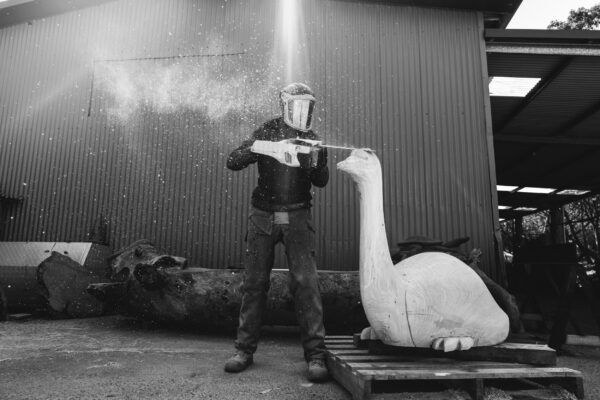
{"points": [[338, 147], [319, 143]]}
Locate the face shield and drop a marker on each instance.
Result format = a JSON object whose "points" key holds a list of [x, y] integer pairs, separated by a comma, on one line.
{"points": [[298, 110]]}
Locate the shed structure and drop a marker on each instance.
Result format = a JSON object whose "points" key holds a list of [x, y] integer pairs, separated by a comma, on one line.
{"points": [[126, 110], [548, 138]]}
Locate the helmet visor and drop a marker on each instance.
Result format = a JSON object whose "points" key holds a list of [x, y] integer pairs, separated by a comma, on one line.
{"points": [[299, 113]]}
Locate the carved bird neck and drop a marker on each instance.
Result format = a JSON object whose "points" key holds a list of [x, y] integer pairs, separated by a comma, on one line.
{"points": [[365, 169]]}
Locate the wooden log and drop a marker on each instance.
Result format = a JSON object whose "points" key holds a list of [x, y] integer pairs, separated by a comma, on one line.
{"points": [[211, 298], [112, 294], [63, 284], [141, 254], [152, 285]]}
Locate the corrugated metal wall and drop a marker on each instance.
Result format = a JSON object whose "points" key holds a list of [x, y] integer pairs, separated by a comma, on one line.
{"points": [[404, 81]]}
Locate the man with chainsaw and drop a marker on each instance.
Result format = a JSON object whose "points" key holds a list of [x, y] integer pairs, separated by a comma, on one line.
{"points": [[280, 212]]}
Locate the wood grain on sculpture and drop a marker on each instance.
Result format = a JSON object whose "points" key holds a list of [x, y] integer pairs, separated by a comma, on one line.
{"points": [[418, 244], [427, 300]]}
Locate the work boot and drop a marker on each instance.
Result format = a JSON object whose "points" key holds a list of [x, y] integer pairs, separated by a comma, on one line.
{"points": [[239, 362], [317, 370]]}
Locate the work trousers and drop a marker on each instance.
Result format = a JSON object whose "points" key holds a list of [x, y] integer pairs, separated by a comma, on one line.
{"points": [[298, 237]]}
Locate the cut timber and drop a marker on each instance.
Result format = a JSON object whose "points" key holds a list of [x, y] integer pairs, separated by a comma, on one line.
{"points": [[19, 263], [63, 284], [371, 376]]}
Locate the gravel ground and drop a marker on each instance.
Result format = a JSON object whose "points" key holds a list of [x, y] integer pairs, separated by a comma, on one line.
{"points": [[585, 359], [117, 357]]}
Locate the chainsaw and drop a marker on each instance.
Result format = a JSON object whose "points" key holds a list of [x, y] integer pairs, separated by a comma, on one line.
{"points": [[286, 151]]}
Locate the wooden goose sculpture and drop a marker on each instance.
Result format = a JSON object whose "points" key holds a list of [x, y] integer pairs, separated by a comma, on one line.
{"points": [[427, 300]]}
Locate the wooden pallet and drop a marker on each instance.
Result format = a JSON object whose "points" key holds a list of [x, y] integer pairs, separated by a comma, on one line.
{"points": [[376, 376], [512, 352]]}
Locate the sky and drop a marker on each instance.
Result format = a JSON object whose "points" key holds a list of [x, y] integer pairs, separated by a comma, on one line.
{"points": [[537, 14]]}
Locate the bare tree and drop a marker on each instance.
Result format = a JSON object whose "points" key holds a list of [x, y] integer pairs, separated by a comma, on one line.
{"points": [[534, 229], [582, 220]]}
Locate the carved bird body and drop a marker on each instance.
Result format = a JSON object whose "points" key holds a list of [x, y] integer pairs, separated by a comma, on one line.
{"points": [[427, 300]]}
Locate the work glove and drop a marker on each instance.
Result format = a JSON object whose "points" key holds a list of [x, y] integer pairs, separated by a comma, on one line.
{"points": [[315, 159], [242, 156], [305, 160], [321, 157]]}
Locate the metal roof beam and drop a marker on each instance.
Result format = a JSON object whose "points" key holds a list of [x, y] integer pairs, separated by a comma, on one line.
{"points": [[539, 88], [539, 41], [576, 120], [558, 134], [568, 140], [542, 36], [577, 50], [581, 180]]}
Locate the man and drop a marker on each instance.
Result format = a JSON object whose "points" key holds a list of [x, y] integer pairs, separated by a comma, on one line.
{"points": [[280, 212]]}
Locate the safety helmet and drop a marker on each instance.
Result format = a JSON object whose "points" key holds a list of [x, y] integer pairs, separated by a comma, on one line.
{"points": [[297, 105]]}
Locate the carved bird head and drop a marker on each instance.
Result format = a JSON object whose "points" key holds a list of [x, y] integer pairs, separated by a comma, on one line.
{"points": [[362, 165]]}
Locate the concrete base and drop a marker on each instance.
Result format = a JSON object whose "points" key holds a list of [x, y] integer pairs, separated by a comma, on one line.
{"points": [[117, 357], [121, 358]]}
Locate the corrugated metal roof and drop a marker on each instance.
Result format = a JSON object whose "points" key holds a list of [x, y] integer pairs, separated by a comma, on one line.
{"points": [[549, 138]]}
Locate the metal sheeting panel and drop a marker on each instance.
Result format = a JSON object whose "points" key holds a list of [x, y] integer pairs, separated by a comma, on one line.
{"points": [[33, 253], [457, 173], [404, 81], [408, 83]]}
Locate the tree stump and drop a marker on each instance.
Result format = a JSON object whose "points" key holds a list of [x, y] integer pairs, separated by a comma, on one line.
{"points": [[64, 285]]}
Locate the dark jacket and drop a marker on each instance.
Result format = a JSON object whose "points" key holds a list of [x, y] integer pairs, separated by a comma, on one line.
{"points": [[280, 188]]}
